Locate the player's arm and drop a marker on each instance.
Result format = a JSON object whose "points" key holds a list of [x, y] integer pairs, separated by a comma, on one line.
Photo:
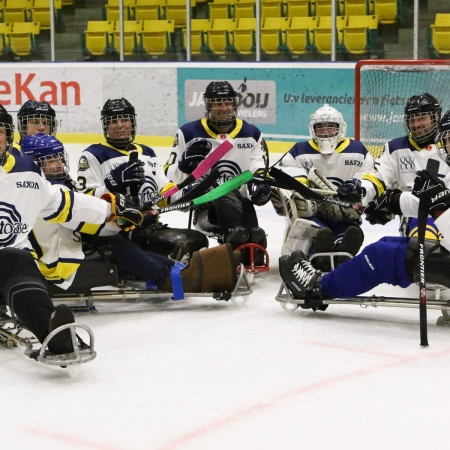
{"points": [[90, 179], [171, 169]]}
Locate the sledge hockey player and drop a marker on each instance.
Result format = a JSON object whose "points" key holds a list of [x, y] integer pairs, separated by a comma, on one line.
{"points": [[404, 156], [36, 117], [392, 260], [26, 196], [232, 217], [328, 161], [60, 250], [107, 168]]}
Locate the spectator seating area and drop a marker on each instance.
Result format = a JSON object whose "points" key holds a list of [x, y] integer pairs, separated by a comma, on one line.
{"points": [[438, 37]]}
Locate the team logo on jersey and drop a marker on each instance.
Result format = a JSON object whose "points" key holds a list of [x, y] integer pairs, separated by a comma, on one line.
{"points": [[10, 224], [228, 170], [223, 137], [83, 164], [149, 190], [352, 162]]}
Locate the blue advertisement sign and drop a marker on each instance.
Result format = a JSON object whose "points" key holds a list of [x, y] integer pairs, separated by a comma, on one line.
{"points": [[277, 100]]}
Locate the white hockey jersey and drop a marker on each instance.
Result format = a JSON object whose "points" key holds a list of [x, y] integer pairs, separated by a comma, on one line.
{"points": [[350, 160], [59, 247], [246, 154], [25, 196], [397, 167], [99, 159]]}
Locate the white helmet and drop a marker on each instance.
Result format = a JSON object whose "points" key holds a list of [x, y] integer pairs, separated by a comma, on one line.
{"points": [[324, 118]]}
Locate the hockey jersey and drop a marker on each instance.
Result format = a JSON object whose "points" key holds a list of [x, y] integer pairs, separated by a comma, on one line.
{"points": [[25, 196], [59, 247], [397, 166], [350, 160], [246, 154], [99, 159]]}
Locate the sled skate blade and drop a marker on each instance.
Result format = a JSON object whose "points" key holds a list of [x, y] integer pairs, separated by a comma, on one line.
{"points": [[287, 301], [83, 353]]}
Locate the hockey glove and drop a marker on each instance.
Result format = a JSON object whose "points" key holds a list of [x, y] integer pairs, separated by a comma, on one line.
{"points": [[434, 193], [259, 193], [124, 208], [196, 151], [130, 173], [350, 191], [382, 209]]}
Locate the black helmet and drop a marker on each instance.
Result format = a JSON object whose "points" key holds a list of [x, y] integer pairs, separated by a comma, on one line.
{"points": [[420, 106], [119, 108], [217, 92], [443, 138], [6, 122], [32, 110]]}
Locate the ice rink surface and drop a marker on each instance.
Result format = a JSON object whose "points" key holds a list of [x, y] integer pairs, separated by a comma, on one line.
{"points": [[201, 374]]}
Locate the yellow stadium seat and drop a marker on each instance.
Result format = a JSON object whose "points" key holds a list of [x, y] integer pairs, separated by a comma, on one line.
{"points": [[156, 37], [386, 10], [370, 22], [197, 40], [321, 39], [442, 19], [304, 22], [243, 10], [276, 23], [5, 29], [16, 10], [175, 11], [271, 8], [219, 10], [244, 36], [97, 38], [360, 35], [320, 8], [131, 36], [147, 9], [297, 8], [112, 9], [297, 41], [40, 12], [440, 39], [22, 40], [353, 7], [217, 40]]}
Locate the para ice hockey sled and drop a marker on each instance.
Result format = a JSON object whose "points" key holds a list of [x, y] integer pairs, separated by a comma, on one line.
{"points": [[291, 304], [128, 290]]}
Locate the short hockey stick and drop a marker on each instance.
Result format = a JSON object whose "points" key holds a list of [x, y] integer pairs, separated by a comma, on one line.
{"points": [[201, 169], [433, 170], [306, 192], [216, 193], [134, 188]]}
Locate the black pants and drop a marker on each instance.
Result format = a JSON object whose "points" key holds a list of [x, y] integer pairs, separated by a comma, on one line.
{"points": [[24, 290]]}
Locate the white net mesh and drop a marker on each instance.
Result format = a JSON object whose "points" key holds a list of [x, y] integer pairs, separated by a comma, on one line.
{"points": [[383, 91]]}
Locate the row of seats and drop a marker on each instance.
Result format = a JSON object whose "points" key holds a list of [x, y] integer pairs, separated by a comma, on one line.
{"points": [[152, 37], [386, 10], [297, 35], [29, 11], [438, 37], [20, 39], [149, 10]]}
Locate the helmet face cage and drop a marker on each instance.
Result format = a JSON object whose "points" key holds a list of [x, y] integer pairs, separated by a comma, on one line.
{"points": [[327, 128], [36, 123], [421, 119], [115, 132], [219, 93], [52, 170]]}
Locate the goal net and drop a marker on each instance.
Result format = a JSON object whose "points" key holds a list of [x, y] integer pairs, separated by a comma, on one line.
{"points": [[382, 88]]}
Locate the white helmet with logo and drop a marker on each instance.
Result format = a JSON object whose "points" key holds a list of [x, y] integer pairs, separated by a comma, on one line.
{"points": [[327, 128]]}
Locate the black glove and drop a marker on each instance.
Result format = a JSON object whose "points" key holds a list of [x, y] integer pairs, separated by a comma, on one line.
{"points": [[196, 151], [126, 174], [433, 191], [124, 208], [259, 193], [350, 191], [382, 209]]}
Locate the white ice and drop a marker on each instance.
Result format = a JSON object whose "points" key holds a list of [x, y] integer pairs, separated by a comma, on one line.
{"points": [[202, 374]]}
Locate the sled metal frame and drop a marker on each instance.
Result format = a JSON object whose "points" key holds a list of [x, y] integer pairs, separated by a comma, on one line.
{"points": [[11, 327], [291, 304], [134, 291]]}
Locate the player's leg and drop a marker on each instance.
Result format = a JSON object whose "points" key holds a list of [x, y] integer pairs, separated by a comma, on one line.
{"points": [[25, 292]]}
